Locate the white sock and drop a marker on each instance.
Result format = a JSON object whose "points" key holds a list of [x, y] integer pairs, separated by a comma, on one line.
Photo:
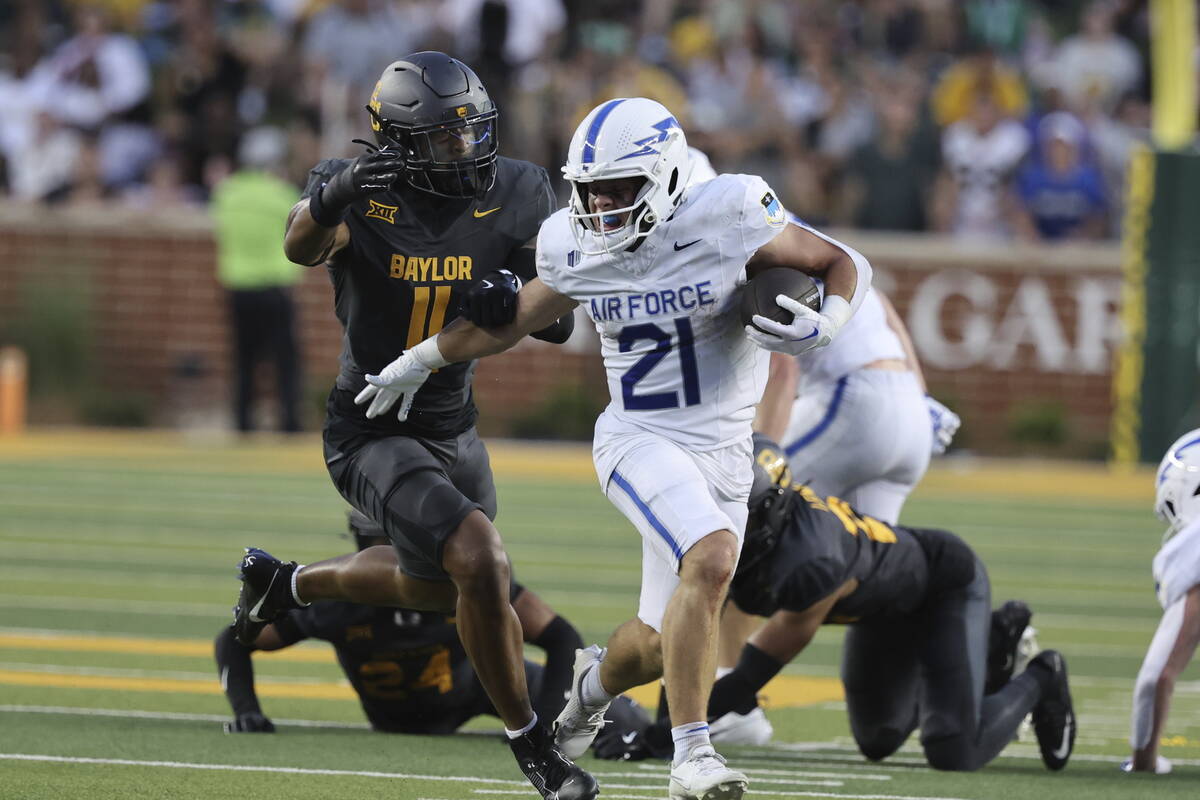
{"points": [[523, 731], [688, 737], [296, 594], [592, 693]]}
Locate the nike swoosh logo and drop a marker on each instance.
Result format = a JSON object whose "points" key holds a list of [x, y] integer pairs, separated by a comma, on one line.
{"points": [[629, 737], [1064, 749], [485, 284], [479, 213], [679, 246], [802, 338], [258, 606]]}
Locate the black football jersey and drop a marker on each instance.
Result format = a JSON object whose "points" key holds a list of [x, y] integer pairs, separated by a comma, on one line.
{"points": [[406, 666], [825, 543], [411, 259]]}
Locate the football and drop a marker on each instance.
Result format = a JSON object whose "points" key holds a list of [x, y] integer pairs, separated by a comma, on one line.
{"points": [[758, 296]]}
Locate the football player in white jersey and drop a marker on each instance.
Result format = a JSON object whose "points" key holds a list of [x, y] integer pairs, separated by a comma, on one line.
{"points": [[658, 266], [1177, 581]]}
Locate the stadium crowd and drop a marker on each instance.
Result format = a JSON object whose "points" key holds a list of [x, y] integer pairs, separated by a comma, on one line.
{"points": [[987, 119]]}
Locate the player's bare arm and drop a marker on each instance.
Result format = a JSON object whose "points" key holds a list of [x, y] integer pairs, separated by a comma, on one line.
{"points": [[315, 229], [787, 633], [775, 408], [898, 327], [537, 307], [847, 277], [798, 248], [307, 243], [1145, 759]]}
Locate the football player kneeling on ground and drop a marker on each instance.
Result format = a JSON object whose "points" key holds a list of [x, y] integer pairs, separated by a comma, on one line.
{"points": [[1177, 579], [917, 602], [409, 668]]}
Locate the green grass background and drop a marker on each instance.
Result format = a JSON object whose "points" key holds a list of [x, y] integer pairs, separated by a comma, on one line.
{"points": [[139, 535]]}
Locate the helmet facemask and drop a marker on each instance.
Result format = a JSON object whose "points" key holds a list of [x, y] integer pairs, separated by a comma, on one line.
{"points": [[455, 159], [662, 162]]}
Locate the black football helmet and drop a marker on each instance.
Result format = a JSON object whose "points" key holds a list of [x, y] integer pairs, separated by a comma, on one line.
{"points": [[434, 110], [771, 496]]}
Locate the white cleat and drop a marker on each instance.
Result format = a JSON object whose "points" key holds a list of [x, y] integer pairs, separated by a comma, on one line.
{"points": [[578, 724], [704, 776], [733, 728]]}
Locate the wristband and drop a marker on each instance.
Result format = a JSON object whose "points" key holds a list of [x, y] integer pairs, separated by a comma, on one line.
{"points": [[428, 355], [836, 310], [321, 214]]}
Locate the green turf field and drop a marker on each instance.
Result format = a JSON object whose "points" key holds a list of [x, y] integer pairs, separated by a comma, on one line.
{"points": [[117, 567]]}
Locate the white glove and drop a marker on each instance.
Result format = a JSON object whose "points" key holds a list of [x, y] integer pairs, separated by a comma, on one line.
{"points": [[945, 424], [401, 379], [808, 329]]}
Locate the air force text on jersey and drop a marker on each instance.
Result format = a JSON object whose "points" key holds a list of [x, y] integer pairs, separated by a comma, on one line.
{"points": [[609, 308]]}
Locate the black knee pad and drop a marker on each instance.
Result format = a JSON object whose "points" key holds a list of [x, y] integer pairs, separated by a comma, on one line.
{"points": [[880, 743], [949, 754]]}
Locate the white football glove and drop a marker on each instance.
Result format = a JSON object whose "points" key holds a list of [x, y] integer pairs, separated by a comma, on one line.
{"points": [[808, 329], [400, 379], [945, 424]]}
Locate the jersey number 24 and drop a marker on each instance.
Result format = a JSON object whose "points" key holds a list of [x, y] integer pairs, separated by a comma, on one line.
{"points": [[663, 341]]}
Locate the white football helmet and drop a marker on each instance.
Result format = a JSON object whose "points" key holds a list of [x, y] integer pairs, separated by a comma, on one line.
{"points": [[1177, 491], [626, 138]]}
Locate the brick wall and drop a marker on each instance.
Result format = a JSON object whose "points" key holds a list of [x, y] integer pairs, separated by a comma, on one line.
{"points": [[998, 328]]}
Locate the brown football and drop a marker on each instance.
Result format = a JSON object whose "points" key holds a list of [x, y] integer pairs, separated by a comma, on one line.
{"points": [[758, 296]]}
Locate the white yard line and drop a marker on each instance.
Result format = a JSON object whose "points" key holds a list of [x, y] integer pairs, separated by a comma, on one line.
{"points": [[170, 715], [127, 762], [753, 772]]}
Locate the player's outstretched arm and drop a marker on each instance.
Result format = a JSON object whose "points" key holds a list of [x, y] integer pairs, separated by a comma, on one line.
{"points": [[1170, 651], [236, 671], [537, 306]]}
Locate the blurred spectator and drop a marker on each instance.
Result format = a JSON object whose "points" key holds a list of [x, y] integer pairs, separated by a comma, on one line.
{"points": [[249, 209], [1114, 139], [98, 80], [165, 186], [500, 37], [86, 184], [1096, 65], [890, 179], [1062, 196], [979, 72], [199, 86], [980, 155], [45, 164], [351, 41]]}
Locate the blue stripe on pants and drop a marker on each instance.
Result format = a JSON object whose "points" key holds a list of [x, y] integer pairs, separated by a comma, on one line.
{"points": [[649, 515], [819, 428]]}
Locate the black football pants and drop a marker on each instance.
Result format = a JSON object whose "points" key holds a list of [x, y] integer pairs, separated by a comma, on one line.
{"points": [[929, 669]]}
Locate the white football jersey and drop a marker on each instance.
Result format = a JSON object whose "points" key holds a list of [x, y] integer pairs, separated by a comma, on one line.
{"points": [[678, 360], [1177, 565]]}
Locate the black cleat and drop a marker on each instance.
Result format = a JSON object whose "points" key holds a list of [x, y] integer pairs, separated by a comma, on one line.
{"points": [[1009, 621], [266, 593], [551, 773], [1054, 716]]}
